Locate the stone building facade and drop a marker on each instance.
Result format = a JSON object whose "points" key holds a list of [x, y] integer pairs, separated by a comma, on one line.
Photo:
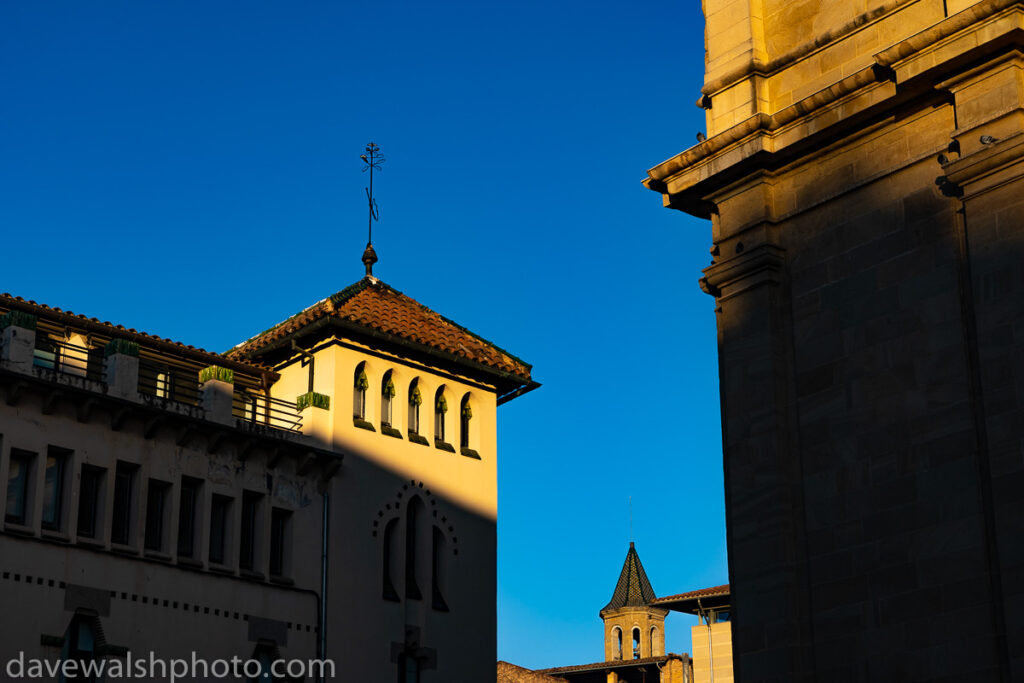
{"points": [[325, 490], [862, 174]]}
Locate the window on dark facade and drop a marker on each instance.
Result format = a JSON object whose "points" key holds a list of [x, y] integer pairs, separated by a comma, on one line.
{"points": [[124, 495], [220, 509], [280, 531], [388, 591], [412, 520], [157, 495], [19, 475], [188, 507], [250, 530], [80, 645], [90, 494], [54, 474], [438, 576]]}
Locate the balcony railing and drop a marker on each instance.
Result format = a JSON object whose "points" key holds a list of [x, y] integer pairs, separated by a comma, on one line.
{"points": [[69, 359], [169, 383], [265, 410]]}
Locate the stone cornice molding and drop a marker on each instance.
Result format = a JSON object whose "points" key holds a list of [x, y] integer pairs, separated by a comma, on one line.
{"points": [[689, 178], [986, 169], [755, 266]]}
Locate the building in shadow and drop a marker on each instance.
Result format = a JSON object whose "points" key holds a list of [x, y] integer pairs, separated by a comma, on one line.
{"points": [[862, 173]]}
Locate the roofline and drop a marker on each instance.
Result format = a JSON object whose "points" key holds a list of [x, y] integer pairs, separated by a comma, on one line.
{"points": [[503, 376], [613, 664], [691, 602], [77, 321]]}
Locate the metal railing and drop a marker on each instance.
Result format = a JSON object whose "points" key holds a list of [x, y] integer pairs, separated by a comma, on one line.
{"points": [[265, 410], [69, 359], [170, 383]]}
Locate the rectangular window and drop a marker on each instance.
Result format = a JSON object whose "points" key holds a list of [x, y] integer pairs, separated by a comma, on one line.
{"points": [[219, 516], [53, 487], [124, 486], [156, 514], [18, 477], [250, 530], [187, 508], [46, 352], [90, 495], [280, 523]]}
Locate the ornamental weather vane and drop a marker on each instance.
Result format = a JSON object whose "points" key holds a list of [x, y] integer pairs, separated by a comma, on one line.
{"points": [[372, 160]]}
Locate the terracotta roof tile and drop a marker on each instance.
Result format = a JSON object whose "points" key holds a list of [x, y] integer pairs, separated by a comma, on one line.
{"points": [[376, 306], [615, 663], [510, 673], [713, 592], [71, 319]]}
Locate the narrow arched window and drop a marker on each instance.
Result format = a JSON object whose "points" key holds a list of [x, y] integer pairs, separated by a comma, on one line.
{"points": [[412, 548], [387, 393], [617, 639], [80, 643], [465, 414], [440, 408], [415, 399], [654, 641], [360, 385], [388, 591], [636, 643], [439, 576]]}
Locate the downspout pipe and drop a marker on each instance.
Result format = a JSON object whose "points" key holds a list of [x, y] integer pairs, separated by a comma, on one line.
{"points": [[325, 526]]}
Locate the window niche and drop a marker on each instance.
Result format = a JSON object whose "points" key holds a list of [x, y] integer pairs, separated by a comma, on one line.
{"points": [[387, 399], [19, 487], [55, 487], [440, 413], [466, 436], [157, 510], [91, 493], [360, 385], [415, 400]]}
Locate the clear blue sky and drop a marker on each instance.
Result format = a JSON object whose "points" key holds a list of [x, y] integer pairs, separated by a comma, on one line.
{"points": [[191, 169]]}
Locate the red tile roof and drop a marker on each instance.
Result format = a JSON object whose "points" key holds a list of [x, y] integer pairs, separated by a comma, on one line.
{"points": [[377, 307], [614, 664], [713, 592], [510, 673], [78, 321]]}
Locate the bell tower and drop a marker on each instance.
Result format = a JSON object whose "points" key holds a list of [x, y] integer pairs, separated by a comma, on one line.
{"points": [[633, 629]]}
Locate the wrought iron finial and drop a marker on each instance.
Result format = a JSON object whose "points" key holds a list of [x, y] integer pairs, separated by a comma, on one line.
{"points": [[372, 160]]}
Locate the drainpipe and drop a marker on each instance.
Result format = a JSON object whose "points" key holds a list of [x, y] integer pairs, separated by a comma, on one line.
{"points": [[711, 656], [325, 525]]}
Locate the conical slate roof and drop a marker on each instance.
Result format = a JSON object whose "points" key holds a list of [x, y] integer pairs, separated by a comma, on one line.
{"points": [[633, 588]]}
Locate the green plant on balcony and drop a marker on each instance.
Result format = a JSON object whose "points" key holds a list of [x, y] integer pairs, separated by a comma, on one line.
{"points": [[121, 346], [311, 399], [215, 372], [18, 319]]}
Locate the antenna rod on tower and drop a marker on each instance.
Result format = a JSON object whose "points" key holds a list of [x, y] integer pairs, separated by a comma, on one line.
{"points": [[373, 159], [631, 539]]}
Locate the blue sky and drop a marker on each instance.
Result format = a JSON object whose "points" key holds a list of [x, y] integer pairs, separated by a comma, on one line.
{"points": [[191, 169]]}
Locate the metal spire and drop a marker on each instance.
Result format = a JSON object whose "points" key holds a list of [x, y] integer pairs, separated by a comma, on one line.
{"points": [[372, 160]]}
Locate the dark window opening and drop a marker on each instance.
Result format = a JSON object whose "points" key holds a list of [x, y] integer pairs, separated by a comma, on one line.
{"points": [[18, 476], [187, 516], [440, 408], [90, 491], [46, 353], [53, 487], [387, 392], [156, 511], [390, 551], [250, 527], [80, 644], [412, 588], [124, 485], [465, 414], [220, 507], [636, 643], [408, 668], [437, 575], [280, 521]]}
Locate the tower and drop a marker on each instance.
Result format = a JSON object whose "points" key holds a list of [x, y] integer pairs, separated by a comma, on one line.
{"points": [[633, 629]]}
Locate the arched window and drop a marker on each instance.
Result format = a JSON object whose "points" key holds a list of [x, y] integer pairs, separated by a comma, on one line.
{"points": [[265, 654], [388, 591], [80, 643], [636, 643], [440, 408], [413, 515], [387, 392], [439, 577], [654, 641], [415, 399], [465, 415], [360, 385], [617, 640]]}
